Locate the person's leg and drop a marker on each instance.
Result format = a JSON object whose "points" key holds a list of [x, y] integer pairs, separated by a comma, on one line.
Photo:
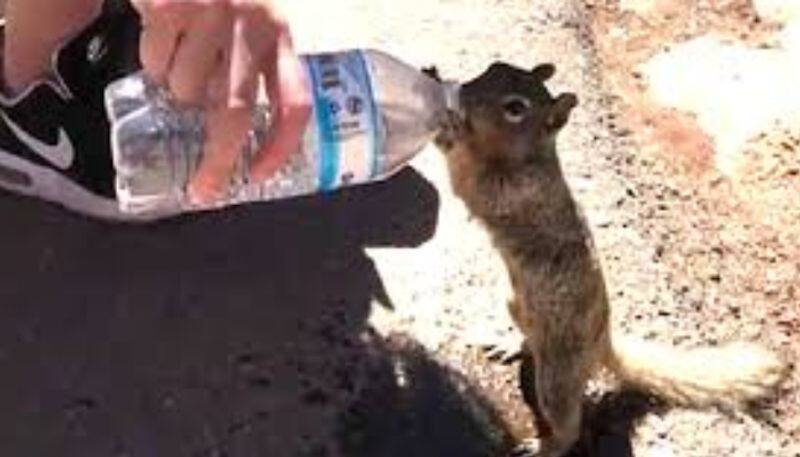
{"points": [[34, 28]]}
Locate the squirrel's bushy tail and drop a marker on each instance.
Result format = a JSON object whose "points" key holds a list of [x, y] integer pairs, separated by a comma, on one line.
{"points": [[730, 376]]}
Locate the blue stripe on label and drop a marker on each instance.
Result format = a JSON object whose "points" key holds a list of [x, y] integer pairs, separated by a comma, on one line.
{"points": [[376, 128], [329, 145]]}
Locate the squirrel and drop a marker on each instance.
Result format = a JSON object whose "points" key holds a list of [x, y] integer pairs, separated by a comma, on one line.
{"points": [[500, 148]]}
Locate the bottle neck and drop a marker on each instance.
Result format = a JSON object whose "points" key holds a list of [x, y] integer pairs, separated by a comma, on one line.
{"points": [[452, 90]]}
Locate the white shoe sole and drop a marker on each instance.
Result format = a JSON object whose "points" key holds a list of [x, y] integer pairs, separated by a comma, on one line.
{"points": [[46, 184]]}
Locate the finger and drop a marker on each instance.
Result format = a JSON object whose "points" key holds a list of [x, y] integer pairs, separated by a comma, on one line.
{"points": [[199, 53], [175, 13], [288, 89], [226, 132], [156, 51], [244, 66], [219, 83], [163, 22]]}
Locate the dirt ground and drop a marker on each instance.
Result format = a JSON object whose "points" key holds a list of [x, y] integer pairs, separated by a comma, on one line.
{"points": [[372, 323], [728, 243]]}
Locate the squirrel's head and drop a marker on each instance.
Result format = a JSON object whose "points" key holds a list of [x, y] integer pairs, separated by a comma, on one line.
{"points": [[508, 111]]}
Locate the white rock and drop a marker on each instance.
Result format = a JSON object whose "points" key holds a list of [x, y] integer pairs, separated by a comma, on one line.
{"points": [[661, 451], [639, 6], [790, 38], [735, 92], [781, 11], [644, 7]]}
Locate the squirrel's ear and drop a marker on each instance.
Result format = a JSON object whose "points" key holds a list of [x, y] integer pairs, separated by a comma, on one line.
{"points": [[432, 72], [560, 111], [544, 71]]}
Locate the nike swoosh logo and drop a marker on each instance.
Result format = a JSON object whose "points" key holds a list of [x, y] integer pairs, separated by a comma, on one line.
{"points": [[61, 154]]}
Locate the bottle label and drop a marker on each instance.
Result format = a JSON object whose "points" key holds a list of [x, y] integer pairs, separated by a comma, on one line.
{"points": [[350, 131]]}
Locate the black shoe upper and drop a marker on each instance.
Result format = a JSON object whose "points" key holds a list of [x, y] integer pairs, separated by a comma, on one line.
{"points": [[103, 52]]}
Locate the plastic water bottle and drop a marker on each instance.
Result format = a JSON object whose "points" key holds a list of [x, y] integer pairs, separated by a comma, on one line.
{"points": [[371, 113]]}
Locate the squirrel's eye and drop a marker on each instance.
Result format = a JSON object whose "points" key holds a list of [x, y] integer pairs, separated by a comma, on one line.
{"points": [[515, 107]]}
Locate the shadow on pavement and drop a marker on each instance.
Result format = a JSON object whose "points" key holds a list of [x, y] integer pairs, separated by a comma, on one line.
{"points": [[234, 334]]}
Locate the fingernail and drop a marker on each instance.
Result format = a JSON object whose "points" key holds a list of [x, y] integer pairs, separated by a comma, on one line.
{"points": [[200, 196], [193, 198]]}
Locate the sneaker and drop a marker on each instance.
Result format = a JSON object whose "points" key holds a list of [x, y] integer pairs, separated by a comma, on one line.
{"points": [[54, 135]]}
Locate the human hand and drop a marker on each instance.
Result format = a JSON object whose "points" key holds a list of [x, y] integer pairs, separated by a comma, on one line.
{"points": [[213, 54]]}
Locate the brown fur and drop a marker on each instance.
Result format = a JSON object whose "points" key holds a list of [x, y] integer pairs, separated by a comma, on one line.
{"points": [[501, 154]]}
